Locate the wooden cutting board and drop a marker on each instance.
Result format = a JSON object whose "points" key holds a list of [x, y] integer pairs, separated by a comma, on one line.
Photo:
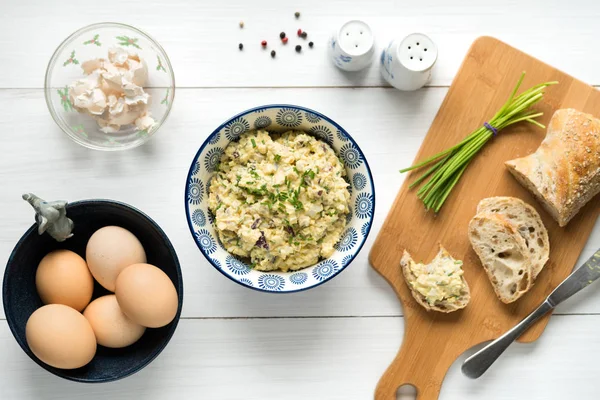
{"points": [[433, 341]]}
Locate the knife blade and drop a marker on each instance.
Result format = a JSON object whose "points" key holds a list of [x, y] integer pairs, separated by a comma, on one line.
{"points": [[578, 280], [478, 363]]}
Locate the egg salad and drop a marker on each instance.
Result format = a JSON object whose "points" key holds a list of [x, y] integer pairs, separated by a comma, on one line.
{"points": [[279, 200], [441, 280]]}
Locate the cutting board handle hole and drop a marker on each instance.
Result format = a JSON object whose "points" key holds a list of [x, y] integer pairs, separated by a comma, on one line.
{"points": [[406, 392]]}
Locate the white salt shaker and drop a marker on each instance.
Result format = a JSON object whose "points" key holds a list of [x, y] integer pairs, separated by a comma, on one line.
{"points": [[352, 46], [406, 64]]}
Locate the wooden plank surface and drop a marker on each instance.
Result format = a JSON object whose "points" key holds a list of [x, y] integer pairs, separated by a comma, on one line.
{"points": [[152, 178], [308, 358], [201, 37], [432, 341], [333, 357]]}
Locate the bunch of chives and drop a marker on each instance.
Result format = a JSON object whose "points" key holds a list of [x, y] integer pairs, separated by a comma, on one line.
{"points": [[449, 165]]}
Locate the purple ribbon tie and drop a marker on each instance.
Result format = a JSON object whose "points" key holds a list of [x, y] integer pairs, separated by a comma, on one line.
{"points": [[491, 128]]}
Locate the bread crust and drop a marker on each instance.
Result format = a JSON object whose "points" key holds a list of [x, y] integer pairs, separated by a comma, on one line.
{"points": [[564, 172]]}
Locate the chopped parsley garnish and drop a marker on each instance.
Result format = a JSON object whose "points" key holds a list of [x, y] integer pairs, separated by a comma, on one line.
{"points": [[277, 157], [253, 142], [254, 174]]}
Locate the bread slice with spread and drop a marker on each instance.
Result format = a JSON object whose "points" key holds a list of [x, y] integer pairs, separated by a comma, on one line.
{"points": [[439, 285]]}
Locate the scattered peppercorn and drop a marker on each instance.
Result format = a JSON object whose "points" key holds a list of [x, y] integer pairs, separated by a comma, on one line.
{"points": [[297, 14], [299, 32], [282, 35], [298, 48], [304, 35], [241, 24], [273, 53], [284, 40], [263, 43], [310, 44], [241, 46]]}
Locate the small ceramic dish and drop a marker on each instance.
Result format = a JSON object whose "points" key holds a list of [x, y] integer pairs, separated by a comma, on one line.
{"points": [[280, 118], [92, 42], [20, 296]]}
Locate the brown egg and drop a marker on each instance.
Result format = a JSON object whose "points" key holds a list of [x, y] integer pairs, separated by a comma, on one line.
{"points": [[60, 336], [111, 326], [147, 295], [109, 251], [63, 277]]}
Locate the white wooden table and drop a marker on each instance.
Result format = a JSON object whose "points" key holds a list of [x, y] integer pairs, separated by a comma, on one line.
{"points": [[332, 342]]}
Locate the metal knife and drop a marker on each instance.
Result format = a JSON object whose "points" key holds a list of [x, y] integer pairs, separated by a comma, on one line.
{"points": [[478, 363]]}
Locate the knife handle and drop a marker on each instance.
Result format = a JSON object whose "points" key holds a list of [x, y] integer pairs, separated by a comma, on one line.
{"points": [[478, 363]]}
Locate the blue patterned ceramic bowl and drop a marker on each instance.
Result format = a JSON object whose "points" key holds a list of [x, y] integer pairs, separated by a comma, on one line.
{"points": [[280, 118]]}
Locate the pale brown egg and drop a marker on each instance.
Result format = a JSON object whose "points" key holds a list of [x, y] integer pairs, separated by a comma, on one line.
{"points": [[60, 336], [111, 327], [63, 277], [147, 295], [109, 251]]}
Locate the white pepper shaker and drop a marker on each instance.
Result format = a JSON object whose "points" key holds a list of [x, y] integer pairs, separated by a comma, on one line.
{"points": [[406, 64], [352, 46]]}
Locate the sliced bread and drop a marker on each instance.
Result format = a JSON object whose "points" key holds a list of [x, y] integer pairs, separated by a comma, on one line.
{"points": [[435, 276], [503, 254], [528, 223]]}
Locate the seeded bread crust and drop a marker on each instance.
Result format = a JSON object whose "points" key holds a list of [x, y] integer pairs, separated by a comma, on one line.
{"points": [[564, 172]]}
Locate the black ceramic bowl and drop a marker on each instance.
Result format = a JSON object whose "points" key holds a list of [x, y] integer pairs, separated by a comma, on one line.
{"points": [[21, 299]]}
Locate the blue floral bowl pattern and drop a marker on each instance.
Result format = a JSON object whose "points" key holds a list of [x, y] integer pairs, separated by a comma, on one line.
{"points": [[280, 118]]}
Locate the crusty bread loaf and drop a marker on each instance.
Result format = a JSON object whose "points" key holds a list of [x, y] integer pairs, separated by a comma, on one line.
{"points": [[564, 172], [528, 224], [503, 254], [445, 306]]}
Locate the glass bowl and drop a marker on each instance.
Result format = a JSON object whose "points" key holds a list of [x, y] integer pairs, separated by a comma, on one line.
{"points": [[92, 42]]}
